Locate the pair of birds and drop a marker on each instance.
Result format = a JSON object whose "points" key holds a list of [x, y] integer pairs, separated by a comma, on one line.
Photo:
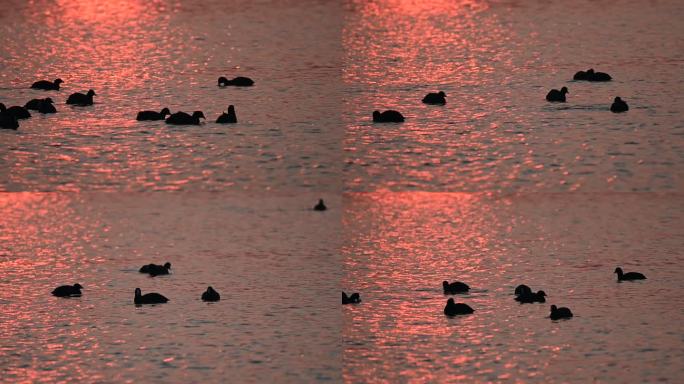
{"points": [[453, 308], [558, 96], [9, 117], [79, 99], [182, 118], [392, 116], [524, 294]]}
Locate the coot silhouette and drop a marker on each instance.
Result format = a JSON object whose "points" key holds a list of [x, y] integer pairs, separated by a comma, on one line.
{"points": [[320, 206], [152, 115], [590, 75], [34, 104], [557, 96], [354, 298], [560, 313], [228, 118], [455, 287], [629, 275], [531, 297], [438, 98], [80, 99], [47, 107], [453, 309], [182, 118], [47, 85], [16, 111], [148, 298], [388, 116], [522, 289], [154, 269], [68, 290], [619, 105], [7, 121], [239, 81], [211, 295]]}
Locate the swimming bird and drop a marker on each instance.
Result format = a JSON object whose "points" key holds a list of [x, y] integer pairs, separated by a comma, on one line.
{"points": [[239, 81], [455, 287], [228, 118], [16, 111], [81, 99], [154, 269], [388, 116], [629, 275], [320, 206], [590, 75], [531, 297], [152, 115], [34, 104], [438, 98], [211, 295], [47, 107], [354, 298], [7, 121], [148, 298], [560, 313], [557, 96], [619, 105], [522, 289], [68, 290], [453, 309], [47, 85], [182, 118]]}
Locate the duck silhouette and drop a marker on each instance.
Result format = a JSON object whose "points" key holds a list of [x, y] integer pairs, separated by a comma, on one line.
{"points": [[522, 289], [531, 297], [34, 104], [629, 275], [320, 206], [239, 81], [619, 105], [354, 298], [148, 298], [152, 115], [80, 99], [590, 75], [437, 98], [452, 308], [389, 116], [155, 270], [16, 111], [182, 118], [47, 85], [7, 121], [455, 287], [560, 313], [68, 290], [228, 118], [557, 96], [211, 295]]}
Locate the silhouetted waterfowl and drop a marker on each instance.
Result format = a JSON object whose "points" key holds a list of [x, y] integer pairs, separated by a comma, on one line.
{"points": [[182, 118], [629, 275], [228, 118], [35, 104], [239, 81], [7, 121], [453, 309], [153, 115], [211, 295], [47, 85], [590, 75], [154, 269], [68, 290], [455, 287], [320, 206], [531, 297], [560, 313], [16, 111], [557, 96], [619, 105], [354, 298], [522, 289], [148, 298], [388, 116], [81, 99], [435, 98], [47, 107]]}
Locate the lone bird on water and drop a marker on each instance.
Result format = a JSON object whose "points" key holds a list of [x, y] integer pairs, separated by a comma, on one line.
{"points": [[452, 308], [389, 116], [531, 297], [80, 99], [228, 118], [34, 104], [211, 295], [47, 85], [154, 269], [68, 290], [182, 118], [629, 275], [454, 287], [239, 81], [437, 98], [619, 105], [560, 313], [320, 206], [354, 298], [152, 115], [148, 298], [556, 96]]}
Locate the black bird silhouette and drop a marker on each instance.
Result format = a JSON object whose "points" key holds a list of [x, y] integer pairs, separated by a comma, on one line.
{"points": [[16, 111], [148, 298], [389, 116], [557, 96], [182, 118], [320, 206], [47, 85], [239, 81], [81, 99], [68, 290], [531, 297], [629, 275], [619, 105], [522, 289], [228, 118], [211, 295], [34, 104], [354, 298], [560, 313], [590, 75], [455, 287], [152, 115], [453, 309], [154, 269], [7, 121], [438, 98]]}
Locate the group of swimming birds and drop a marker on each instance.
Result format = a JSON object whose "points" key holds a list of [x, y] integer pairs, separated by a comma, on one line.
{"points": [[9, 117], [558, 96], [523, 295]]}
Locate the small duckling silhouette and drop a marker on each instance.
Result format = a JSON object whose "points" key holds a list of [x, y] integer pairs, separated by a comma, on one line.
{"points": [[47, 85], [148, 298], [556, 96], [320, 206], [619, 105], [210, 295], [455, 287], [452, 308], [228, 118], [560, 313], [389, 116], [437, 98], [80, 99], [629, 275], [68, 290], [239, 81]]}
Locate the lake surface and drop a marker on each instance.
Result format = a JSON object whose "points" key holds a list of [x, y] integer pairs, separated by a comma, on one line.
{"points": [[496, 188]]}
